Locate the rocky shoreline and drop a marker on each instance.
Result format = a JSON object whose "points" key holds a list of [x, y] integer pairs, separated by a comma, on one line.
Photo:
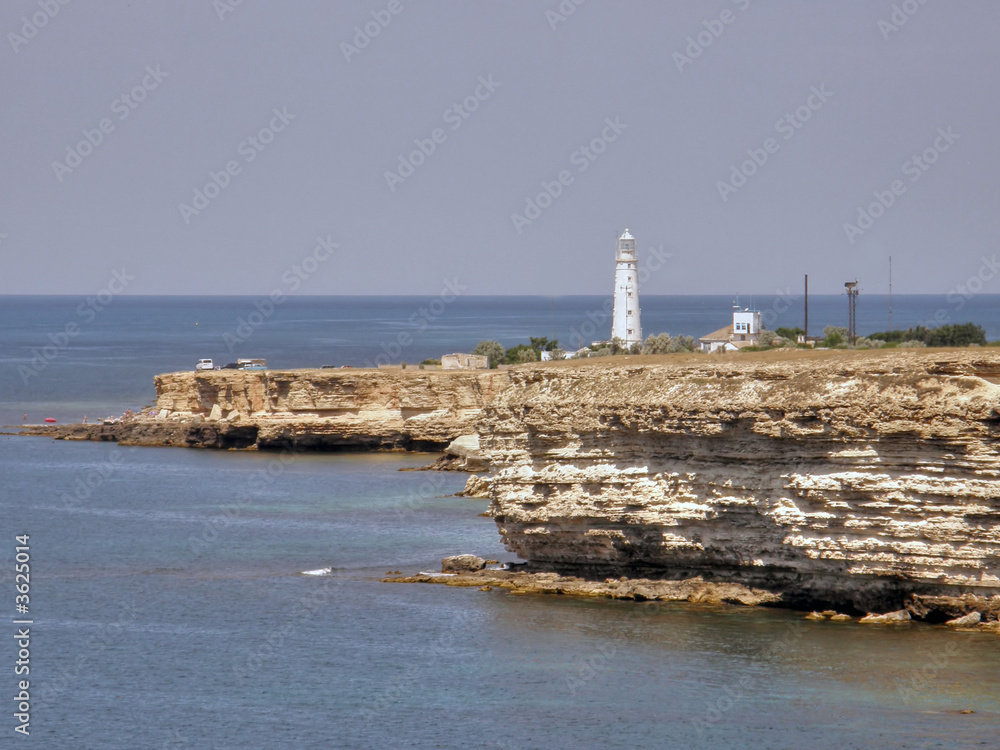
{"points": [[848, 482], [522, 579], [841, 480], [963, 613], [301, 410], [150, 432]]}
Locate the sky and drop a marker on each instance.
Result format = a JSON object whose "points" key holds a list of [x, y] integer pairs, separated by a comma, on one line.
{"points": [[411, 147]]}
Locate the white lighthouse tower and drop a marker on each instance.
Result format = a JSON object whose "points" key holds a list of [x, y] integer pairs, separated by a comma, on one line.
{"points": [[625, 321]]}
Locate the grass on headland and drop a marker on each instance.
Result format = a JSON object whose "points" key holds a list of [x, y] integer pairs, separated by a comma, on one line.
{"points": [[835, 337]]}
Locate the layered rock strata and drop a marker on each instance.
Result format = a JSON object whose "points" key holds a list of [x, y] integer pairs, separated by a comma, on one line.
{"points": [[863, 480], [868, 480], [304, 410], [337, 409]]}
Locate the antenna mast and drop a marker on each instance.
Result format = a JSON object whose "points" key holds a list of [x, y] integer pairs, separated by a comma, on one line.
{"points": [[852, 303], [890, 292], [806, 326]]}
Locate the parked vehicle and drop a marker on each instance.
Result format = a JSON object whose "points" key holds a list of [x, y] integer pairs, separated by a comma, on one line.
{"points": [[251, 364], [231, 366], [205, 364]]}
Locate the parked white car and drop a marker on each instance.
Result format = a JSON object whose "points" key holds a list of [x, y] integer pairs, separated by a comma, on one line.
{"points": [[205, 364]]}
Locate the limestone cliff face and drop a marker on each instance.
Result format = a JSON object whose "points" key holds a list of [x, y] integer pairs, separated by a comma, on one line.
{"points": [[843, 477], [330, 409]]}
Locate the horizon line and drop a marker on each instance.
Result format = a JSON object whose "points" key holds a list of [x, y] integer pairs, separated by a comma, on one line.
{"points": [[797, 295]]}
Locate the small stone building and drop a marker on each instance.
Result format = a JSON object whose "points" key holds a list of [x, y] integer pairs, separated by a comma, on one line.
{"points": [[465, 362]]}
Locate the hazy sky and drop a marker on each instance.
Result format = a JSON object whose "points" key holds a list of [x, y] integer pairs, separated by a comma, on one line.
{"points": [[644, 109]]}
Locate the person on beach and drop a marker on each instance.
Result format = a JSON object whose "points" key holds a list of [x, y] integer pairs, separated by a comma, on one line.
{"points": [[85, 419]]}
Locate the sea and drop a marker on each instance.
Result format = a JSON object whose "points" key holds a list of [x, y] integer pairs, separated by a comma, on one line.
{"points": [[205, 599]]}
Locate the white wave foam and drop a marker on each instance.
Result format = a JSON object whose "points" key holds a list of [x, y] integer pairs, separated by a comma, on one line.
{"points": [[319, 572]]}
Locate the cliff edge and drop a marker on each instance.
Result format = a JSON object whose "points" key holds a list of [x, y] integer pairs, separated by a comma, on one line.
{"points": [[865, 479], [343, 409]]}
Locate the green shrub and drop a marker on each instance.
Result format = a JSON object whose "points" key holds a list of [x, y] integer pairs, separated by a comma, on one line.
{"points": [[792, 334], [956, 334], [520, 354], [492, 350], [834, 336]]}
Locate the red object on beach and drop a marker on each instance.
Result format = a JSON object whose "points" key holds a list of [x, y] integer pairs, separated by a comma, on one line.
{"points": [[49, 419]]}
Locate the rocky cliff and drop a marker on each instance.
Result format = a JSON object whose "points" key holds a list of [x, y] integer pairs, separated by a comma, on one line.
{"points": [[346, 409], [860, 479], [333, 409]]}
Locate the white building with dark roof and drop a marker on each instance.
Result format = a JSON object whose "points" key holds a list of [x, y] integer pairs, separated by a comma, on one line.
{"points": [[743, 331]]}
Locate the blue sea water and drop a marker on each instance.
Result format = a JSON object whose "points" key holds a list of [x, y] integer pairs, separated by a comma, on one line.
{"points": [[170, 611], [67, 357]]}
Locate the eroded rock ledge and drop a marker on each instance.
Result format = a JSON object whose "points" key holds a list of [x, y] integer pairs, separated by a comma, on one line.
{"points": [[834, 479], [522, 581], [966, 612], [349, 409], [867, 481]]}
